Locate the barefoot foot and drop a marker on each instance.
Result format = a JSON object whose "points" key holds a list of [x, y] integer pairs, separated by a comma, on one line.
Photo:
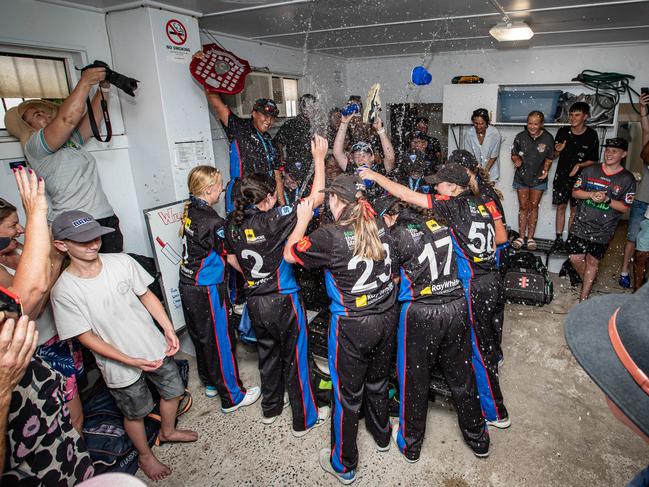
{"points": [[181, 436], [153, 468]]}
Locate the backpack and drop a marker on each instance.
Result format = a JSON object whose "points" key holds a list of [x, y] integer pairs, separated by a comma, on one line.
{"points": [[526, 280], [110, 448]]}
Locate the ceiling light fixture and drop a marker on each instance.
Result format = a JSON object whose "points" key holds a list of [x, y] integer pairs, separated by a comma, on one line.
{"points": [[511, 31]]}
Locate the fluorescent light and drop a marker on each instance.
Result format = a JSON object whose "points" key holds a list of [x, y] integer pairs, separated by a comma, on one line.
{"points": [[511, 31]]}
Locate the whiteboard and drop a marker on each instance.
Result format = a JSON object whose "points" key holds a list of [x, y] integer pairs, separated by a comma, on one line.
{"points": [[163, 224]]}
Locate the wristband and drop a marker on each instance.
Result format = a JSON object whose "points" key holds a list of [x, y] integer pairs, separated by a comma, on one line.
{"points": [[382, 131], [104, 90]]}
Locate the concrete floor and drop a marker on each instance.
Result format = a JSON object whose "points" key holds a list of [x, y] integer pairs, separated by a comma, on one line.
{"points": [[562, 433]]}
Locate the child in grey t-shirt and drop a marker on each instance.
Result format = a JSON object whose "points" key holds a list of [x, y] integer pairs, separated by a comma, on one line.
{"points": [[532, 156], [105, 303]]}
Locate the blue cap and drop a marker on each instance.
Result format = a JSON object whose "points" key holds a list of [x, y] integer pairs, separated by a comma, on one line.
{"points": [[420, 76]]}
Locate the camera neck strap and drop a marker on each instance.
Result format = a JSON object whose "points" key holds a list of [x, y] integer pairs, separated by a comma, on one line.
{"points": [[93, 123]]}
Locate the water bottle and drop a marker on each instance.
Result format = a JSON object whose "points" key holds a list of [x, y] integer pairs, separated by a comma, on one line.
{"points": [[350, 109]]}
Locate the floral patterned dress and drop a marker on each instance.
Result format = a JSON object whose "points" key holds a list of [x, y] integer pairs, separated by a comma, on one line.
{"points": [[42, 446]]}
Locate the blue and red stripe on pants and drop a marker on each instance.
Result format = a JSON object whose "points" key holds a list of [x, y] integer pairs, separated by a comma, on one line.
{"points": [[214, 339], [279, 322], [360, 359]]}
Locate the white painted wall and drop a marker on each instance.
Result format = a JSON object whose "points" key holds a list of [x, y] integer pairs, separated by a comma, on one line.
{"points": [[508, 66], [550, 65]]}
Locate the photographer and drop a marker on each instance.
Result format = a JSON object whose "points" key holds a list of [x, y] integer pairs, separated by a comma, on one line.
{"points": [[52, 138]]}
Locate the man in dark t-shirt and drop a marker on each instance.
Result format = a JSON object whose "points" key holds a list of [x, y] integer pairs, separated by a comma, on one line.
{"points": [[251, 146], [577, 147], [605, 192]]}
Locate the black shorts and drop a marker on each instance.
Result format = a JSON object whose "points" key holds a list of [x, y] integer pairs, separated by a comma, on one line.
{"points": [[577, 245], [562, 189]]}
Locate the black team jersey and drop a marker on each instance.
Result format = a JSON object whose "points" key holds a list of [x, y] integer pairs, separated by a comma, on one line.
{"points": [[487, 192], [471, 220], [355, 285], [423, 249], [203, 260], [259, 246], [597, 221], [250, 150]]}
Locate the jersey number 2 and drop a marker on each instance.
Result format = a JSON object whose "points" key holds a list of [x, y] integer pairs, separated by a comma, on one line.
{"points": [[255, 273]]}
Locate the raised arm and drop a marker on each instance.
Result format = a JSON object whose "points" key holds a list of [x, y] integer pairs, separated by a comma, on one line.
{"points": [[304, 215], [339, 142], [218, 105], [386, 144], [396, 189], [319, 147], [32, 279], [70, 113]]}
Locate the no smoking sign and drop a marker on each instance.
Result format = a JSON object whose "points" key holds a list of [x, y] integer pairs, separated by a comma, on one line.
{"points": [[176, 32]]}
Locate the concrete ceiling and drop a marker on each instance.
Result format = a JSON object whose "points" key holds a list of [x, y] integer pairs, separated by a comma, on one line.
{"points": [[370, 28]]}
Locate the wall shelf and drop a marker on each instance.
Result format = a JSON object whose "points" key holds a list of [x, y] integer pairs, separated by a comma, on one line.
{"points": [[461, 100]]}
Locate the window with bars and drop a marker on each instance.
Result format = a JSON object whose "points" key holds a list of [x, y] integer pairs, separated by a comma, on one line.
{"points": [[25, 77], [283, 90]]}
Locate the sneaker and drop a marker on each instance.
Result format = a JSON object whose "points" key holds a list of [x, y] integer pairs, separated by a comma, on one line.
{"points": [[323, 416], [210, 391], [325, 462], [267, 420], [395, 432], [382, 449], [502, 423], [478, 453], [250, 398], [625, 281]]}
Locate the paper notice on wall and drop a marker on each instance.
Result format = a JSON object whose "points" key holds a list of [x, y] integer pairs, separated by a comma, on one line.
{"points": [[188, 154]]}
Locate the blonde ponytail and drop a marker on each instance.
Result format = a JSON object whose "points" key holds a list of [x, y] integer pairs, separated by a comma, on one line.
{"points": [[199, 178], [362, 217]]}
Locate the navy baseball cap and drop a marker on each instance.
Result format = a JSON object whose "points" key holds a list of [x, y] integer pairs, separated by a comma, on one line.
{"points": [[618, 143], [464, 158], [609, 337], [77, 226], [450, 173], [348, 186], [266, 106], [383, 204]]}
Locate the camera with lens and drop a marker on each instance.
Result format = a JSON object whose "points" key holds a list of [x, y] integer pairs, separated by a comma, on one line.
{"points": [[124, 83]]}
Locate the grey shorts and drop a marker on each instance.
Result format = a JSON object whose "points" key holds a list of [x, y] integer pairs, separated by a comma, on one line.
{"points": [[135, 401]]}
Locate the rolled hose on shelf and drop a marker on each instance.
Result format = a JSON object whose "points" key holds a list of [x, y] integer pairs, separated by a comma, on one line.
{"points": [[608, 87]]}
